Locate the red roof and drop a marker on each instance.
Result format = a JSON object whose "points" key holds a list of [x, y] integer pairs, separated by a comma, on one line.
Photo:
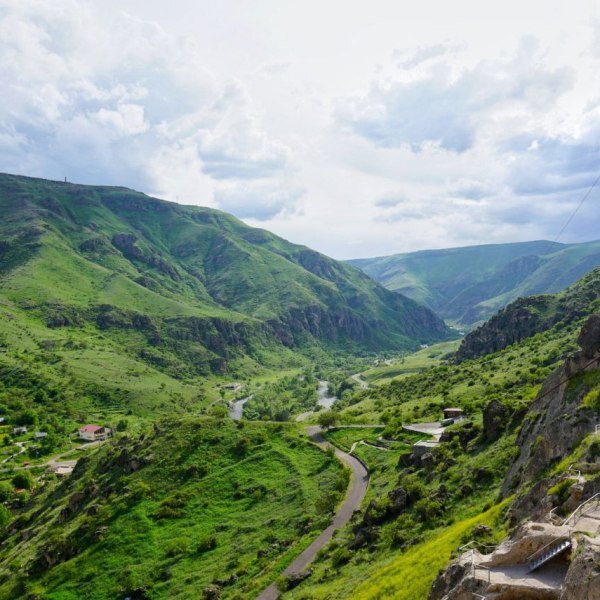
{"points": [[91, 428]]}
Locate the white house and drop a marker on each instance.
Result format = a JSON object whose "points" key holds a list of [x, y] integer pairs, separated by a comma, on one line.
{"points": [[19, 430], [93, 433], [38, 435]]}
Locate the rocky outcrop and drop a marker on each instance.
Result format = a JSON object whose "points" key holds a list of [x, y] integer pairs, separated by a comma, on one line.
{"points": [[495, 419], [527, 316], [583, 577], [556, 421]]}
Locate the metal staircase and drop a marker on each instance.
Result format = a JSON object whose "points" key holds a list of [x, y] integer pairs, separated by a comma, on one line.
{"points": [[548, 552]]}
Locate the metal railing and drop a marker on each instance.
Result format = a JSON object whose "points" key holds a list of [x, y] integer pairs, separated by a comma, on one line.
{"points": [[578, 512], [540, 551]]}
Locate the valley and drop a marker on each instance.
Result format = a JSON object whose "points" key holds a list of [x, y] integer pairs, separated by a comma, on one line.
{"points": [[277, 424]]}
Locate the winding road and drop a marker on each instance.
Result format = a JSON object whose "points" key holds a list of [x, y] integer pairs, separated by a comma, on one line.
{"points": [[356, 493]]}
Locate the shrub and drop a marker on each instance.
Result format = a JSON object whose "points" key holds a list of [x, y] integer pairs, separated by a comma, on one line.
{"points": [[327, 419], [23, 480], [428, 509], [340, 557], [5, 516], [177, 547], [5, 491], [206, 544]]}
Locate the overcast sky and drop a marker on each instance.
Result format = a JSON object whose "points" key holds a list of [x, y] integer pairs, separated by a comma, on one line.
{"points": [[359, 128]]}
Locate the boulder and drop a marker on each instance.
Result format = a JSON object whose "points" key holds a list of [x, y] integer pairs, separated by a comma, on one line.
{"points": [[583, 577], [589, 338], [495, 419]]}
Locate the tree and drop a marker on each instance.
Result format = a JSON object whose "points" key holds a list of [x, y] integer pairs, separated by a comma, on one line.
{"points": [[5, 491], [327, 419], [26, 418], [5, 516], [122, 425], [23, 480]]}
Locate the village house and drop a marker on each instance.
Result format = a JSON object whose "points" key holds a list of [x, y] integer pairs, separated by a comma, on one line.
{"points": [[19, 430], [94, 433], [38, 435], [453, 413], [234, 387]]}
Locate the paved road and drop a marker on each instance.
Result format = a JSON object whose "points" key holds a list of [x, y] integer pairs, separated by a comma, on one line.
{"points": [[236, 409], [361, 382], [356, 493], [433, 429]]}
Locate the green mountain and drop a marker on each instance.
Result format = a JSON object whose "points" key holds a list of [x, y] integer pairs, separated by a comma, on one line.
{"points": [[199, 506], [527, 316], [468, 285], [195, 290]]}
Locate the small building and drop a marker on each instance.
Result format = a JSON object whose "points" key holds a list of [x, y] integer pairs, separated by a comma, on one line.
{"points": [[234, 387], [2, 420], [94, 433], [424, 446], [38, 435], [61, 470], [19, 430], [453, 413]]}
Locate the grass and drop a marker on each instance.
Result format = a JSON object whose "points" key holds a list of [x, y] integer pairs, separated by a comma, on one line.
{"points": [[410, 364], [409, 576], [214, 504]]}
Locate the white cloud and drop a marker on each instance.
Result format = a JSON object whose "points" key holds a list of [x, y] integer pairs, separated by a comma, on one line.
{"points": [[356, 130]]}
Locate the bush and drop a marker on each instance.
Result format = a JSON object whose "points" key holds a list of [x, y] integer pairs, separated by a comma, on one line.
{"points": [[5, 516], [340, 557], [206, 544], [23, 480], [428, 509], [6, 491], [327, 419]]}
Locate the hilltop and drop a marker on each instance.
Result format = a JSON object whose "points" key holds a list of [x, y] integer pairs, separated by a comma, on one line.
{"points": [[468, 285]]}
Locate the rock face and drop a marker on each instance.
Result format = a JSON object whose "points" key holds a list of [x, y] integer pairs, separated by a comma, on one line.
{"points": [[527, 316], [495, 419], [589, 338], [556, 421], [583, 577], [555, 424]]}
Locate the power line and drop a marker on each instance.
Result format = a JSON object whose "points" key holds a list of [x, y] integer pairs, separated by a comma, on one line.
{"points": [[585, 197]]}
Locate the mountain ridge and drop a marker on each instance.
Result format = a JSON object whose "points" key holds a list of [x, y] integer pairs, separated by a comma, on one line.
{"points": [[469, 284], [118, 258]]}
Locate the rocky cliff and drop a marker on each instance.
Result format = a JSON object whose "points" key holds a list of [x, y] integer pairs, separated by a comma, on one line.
{"points": [[556, 471], [528, 316]]}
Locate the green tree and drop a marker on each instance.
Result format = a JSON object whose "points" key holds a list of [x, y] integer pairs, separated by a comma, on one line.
{"points": [[5, 516], [23, 480], [327, 419], [5, 491]]}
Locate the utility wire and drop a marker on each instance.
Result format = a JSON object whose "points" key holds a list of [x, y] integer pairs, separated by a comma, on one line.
{"points": [[585, 197]]}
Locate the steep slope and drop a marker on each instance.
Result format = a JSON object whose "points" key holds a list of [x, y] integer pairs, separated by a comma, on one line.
{"points": [[113, 257], [528, 316], [468, 285], [187, 509]]}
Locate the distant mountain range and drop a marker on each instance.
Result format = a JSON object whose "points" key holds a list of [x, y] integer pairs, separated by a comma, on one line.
{"points": [[196, 284], [468, 285]]}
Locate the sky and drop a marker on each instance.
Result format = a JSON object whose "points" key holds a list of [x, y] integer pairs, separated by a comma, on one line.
{"points": [[357, 128]]}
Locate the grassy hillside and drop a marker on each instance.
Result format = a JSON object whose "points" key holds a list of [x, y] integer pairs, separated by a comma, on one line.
{"points": [[468, 285], [188, 507], [420, 510], [132, 304]]}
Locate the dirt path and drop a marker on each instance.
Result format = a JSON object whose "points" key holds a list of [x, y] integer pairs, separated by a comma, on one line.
{"points": [[21, 446], [356, 493]]}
